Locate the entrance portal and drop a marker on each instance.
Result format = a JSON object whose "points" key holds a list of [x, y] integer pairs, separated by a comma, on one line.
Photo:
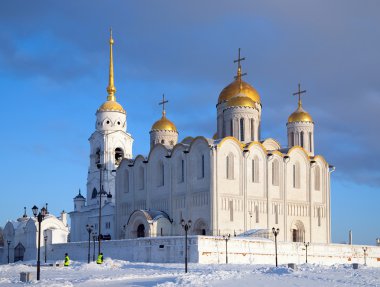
{"points": [[19, 252], [141, 230]]}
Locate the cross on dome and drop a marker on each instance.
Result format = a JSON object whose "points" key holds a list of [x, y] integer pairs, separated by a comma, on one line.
{"points": [[299, 94], [163, 102], [239, 73]]}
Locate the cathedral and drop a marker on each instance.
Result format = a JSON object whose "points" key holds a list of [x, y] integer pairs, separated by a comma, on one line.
{"points": [[233, 183]]}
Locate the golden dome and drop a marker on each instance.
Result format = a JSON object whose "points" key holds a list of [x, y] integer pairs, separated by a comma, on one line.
{"points": [[164, 125], [300, 115], [241, 101], [215, 136], [111, 106], [234, 88]]}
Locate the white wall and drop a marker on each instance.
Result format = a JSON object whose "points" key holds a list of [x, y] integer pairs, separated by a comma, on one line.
{"points": [[211, 250]]}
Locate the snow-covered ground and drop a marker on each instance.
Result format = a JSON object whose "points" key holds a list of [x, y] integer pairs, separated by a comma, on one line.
{"points": [[122, 273]]}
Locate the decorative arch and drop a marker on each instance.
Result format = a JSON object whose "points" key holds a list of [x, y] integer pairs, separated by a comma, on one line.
{"points": [[200, 227]]}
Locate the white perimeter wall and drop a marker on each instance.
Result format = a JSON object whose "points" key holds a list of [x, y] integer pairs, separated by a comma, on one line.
{"points": [[212, 250]]}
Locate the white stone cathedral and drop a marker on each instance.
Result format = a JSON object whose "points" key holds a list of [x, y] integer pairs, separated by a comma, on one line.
{"points": [[234, 183]]}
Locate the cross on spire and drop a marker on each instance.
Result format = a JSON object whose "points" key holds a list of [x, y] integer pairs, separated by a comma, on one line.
{"points": [[299, 94], [239, 60], [163, 102]]}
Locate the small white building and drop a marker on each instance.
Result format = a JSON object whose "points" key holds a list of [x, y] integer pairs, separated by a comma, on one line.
{"points": [[23, 236]]}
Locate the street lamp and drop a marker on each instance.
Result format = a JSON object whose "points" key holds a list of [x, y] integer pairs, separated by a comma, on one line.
{"points": [[306, 246], [186, 226], [275, 233], [45, 240], [365, 255], [9, 243], [89, 230], [250, 219], [40, 216], [94, 235], [226, 238]]}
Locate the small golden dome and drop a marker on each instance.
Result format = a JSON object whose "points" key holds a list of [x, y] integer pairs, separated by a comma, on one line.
{"points": [[164, 125], [241, 100], [234, 88], [111, 106], [215, 136], [300, 115]]}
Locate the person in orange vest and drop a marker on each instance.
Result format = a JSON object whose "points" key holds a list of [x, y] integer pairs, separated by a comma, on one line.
{"points": [[67, 260], [100, 258]]}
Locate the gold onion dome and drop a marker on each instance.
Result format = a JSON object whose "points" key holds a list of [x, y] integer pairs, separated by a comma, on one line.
{"points": [[300, 115], [234, 89], [241, 100], [164, 124], [111, 104]]}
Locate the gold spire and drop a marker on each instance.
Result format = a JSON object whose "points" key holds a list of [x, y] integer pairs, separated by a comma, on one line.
{"points": [[111, 87]]}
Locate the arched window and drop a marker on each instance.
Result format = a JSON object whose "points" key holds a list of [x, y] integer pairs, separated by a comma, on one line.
{"points": [[119, 155], [181, 170], [255, 169], [257, 213], [296, 175], [275, 172], [252, 130], [242, 129], [276, 214], [291, 139], [97, 156], [141, 178], [301, 139], [317, 178], [231, 128], [126, 181], [160, 174], [310, 142], [230, 166], [94, 193], [201, 169]]}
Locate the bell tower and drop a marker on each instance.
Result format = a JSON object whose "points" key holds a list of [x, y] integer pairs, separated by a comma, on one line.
{"points": [[109, 143]]}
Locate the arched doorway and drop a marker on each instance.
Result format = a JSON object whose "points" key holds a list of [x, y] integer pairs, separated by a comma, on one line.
{"points": [[200, 227], [298, 231], [19, 252], [141, 230]]}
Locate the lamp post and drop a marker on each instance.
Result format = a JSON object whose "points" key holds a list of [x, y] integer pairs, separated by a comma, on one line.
{"points": [[250, 219], [40, 216], [94, 239], [226, 238], [45, 241], [101, 192], [275, 231], [89, 230], [365, 255], [9, 243], [186, 226], [306, 246]]}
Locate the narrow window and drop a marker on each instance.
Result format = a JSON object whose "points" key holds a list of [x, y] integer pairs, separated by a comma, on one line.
{"points": [[231, 207], [257, 213], [182, 170], [141, 180], [126, 181], [255, 169], [242, 129], [310, 142], [317, 178], [161, 174], [252, 130], [97, 156], [231, 128], [94, 193], [276, 213], [291, 139], [296, 175], [275, 173], [230, 166], [319, 216], [203, 166], [301, 139], [119, 155]]}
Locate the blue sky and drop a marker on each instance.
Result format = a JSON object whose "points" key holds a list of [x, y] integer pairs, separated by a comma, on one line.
{"points": [[54, 68]]}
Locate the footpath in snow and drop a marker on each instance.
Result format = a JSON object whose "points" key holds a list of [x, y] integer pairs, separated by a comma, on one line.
{"points": [[123, 273]]}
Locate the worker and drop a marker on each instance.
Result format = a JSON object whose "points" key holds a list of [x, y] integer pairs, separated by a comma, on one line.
{"points": [[100, 258], [67, 260]]}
